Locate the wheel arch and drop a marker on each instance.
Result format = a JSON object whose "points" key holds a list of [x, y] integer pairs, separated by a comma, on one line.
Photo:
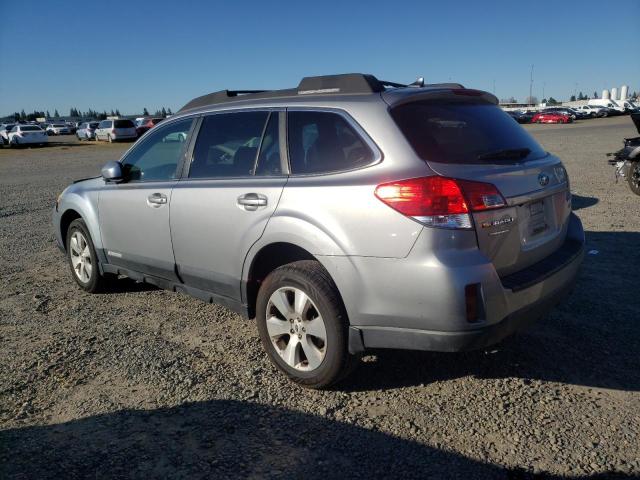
{"points": [[265, 260], [65, 220]]}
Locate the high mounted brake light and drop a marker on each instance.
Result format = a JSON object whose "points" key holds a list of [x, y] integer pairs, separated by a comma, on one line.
{"points": [[439, 201]]}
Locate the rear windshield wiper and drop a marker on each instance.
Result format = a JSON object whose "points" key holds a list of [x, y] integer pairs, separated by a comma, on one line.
{"points": [[507, 153]]}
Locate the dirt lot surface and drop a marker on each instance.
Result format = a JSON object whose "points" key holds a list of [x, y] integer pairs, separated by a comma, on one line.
{"points": [[145, 383]]}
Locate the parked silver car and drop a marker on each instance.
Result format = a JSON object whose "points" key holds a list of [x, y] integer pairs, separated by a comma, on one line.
{"points": [[87, 131], [345, 214]]}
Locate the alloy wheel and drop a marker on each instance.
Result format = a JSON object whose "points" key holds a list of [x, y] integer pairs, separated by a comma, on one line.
{"points": [[80, 256], [635, 175], [296, 328]]}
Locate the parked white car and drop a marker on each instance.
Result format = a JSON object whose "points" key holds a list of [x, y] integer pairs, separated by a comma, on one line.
{"points": [[58, 129], [27, 135], [5, 128], [593, 110], [114, 130]]}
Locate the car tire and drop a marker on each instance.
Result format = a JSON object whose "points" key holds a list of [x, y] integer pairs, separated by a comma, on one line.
{"points": [[82, 259], [286, 288], [633, 178]]}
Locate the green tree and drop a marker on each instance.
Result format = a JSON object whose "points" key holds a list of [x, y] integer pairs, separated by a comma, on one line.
{"points": [[544, 100], [23, 116], [145, 112], [552, 101], [573, 98], [595, 94], [164, 112], [56, 114], [117, 112], [48, 114], [169, 112]]}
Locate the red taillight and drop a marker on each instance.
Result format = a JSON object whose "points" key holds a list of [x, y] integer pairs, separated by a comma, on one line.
{"points": [[440, 201]]}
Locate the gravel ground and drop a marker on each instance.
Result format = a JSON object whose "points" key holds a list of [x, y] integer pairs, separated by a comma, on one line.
{"points": [[146, 383]]}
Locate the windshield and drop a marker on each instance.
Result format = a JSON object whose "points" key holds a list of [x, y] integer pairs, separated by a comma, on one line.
{"points": [[464, 133], [30, 128], [59, 125]]}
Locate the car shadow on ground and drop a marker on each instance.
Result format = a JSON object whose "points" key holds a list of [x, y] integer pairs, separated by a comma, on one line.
{"points": [[579, 202], [591, 339], [228, 439]]}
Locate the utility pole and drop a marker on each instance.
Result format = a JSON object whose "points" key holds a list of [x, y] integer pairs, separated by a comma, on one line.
{"points": [[531, 86]]}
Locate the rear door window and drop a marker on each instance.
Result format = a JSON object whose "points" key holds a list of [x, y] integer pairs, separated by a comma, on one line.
{"points": [[227, 145], [464, 133], [269, 157], [323, 142]]}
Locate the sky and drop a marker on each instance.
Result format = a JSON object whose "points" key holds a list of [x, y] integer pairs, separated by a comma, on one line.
{"points": [[129, 55]]}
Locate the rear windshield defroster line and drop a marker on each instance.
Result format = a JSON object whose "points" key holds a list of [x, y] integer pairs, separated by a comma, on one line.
{"points": [[464, 133]]}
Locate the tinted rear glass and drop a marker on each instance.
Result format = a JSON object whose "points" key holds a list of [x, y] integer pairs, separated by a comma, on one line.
{"points": [[123, 124], [30, 128], [459, 133]]}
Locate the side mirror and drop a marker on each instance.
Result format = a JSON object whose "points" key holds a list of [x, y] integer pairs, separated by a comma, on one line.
{"points": [[112, 172]]}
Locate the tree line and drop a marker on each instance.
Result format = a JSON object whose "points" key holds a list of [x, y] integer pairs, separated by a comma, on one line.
{"points": [[76, 113]]}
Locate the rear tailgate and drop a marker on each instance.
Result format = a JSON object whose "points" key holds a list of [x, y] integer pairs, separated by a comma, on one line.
{"points": [[463, 134], [533, 224]]}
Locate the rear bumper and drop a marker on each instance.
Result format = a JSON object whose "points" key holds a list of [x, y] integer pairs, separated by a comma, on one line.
{"points": [[426, 309], [439, 341]]}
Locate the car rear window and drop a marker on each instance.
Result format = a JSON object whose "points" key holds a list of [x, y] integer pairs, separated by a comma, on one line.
{"points": [[463, 132], [30, 128], [123, 124]]}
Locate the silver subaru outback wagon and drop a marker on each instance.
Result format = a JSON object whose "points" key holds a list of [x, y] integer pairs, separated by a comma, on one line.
{"points": [[345, 214]]}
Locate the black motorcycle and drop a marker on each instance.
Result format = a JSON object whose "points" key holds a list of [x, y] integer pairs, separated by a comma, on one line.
{"points": [[627, 159]]}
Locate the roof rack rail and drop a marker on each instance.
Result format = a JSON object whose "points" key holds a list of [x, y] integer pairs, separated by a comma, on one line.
{"points": [[346, 83]]}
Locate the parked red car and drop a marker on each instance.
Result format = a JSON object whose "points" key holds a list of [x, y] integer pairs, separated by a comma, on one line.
{"points": [[147, 124], [551, 117]]}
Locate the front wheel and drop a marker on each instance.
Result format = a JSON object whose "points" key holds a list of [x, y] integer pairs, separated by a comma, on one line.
{"points": [[634, 178], [83, 260], [303, 325]]}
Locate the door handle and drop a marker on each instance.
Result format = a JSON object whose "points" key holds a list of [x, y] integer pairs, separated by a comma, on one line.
{"points": [[156, 200], [251, 201]]}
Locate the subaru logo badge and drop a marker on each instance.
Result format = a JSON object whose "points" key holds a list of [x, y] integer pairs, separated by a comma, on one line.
{"points": [[543, 179]]}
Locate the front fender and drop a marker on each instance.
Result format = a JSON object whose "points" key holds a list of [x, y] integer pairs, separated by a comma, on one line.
{"points": [[82, 198]]}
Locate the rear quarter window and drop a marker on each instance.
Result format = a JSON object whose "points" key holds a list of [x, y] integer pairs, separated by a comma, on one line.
{"points": [[461, 132], [324, 142], [124, 124]]}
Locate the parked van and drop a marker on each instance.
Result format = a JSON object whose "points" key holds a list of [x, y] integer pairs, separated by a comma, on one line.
{"points": [[113, 130], [606, 102]]}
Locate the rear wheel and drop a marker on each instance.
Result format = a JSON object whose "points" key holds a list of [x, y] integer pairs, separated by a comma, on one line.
{"points": [[634, 178], [303, 325]]}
